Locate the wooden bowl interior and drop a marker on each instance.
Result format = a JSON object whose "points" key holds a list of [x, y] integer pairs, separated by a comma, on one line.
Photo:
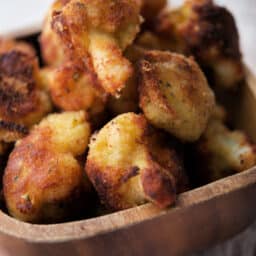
{"points": [[245, 119]]}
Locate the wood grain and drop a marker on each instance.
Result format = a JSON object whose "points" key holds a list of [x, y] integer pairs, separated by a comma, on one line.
{"points": [[184, 226], [213, 209], [202, 217]]}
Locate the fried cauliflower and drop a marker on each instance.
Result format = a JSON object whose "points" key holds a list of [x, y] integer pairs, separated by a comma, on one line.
{"points": [[174, 94], [221, 151], [44, 179], [23, 102], [208, 32], [128, 100], [129, 164], [97, 32], [74, 88], [52, 49]]}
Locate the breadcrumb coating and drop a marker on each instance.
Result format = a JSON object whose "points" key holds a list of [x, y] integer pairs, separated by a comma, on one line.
{"points": [[44, 180], [209, 33], [98, 32], [175, 95], [23, 102], [130, 164], [222, 151]]}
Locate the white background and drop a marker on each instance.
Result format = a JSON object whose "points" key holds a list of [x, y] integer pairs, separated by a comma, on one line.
{"points": [[19, 16], [25, 16]]}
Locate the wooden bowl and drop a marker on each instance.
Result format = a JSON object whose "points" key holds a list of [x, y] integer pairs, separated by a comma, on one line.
{"points": [[201, 217]]}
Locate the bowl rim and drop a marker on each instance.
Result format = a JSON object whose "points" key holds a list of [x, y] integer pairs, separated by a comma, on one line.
{"points": [[88, 228]]}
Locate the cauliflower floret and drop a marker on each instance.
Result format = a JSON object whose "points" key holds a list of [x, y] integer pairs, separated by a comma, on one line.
{"points": [[208, 32], [98, 32], [74, 88], [128, 100], [52, 49], [129, 164], [221, 151], [23, 102], [10, 131], [44, 179], [174, 94]]}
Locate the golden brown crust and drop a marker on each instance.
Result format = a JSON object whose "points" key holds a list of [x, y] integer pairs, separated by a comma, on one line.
{"points": [[174, 94], [157, 187], [23, 103], [17, 84], [128, 100], [222, 152], [74, 88], [43, 179], [125, 165], [53, 52], [208, 32], [97, 32], [10, 131]]}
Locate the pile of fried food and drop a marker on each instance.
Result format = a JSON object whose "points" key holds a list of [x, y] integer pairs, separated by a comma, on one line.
{"points": [[125, 87]]}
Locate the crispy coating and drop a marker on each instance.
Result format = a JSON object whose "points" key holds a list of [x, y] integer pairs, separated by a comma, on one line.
{"points": [[74, 88], [208, 32], [174, 94], [10, 131], [52, 49], [222, 152], [98, 32], [23, 103], [43, 180], [128, 100], [129, 164]]}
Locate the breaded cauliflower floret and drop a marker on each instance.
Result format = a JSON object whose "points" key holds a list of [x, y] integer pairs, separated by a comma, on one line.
{"points": [[43, 180], [23, 102], [221, 151], [208, 32], [128, 101], [97, 32], [74, 88], [129, 164], [174, 94], [11, 131], [52, 49]]}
